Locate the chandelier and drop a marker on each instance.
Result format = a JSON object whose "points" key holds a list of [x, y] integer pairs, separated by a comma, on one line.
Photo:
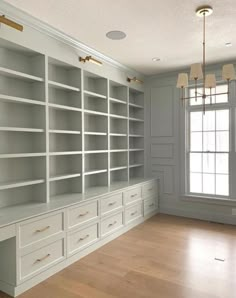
{"points": [[198, 70]]}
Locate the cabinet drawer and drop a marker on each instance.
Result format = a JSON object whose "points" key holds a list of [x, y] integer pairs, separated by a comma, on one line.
{"points": [[79, 239], [41, 259], [82, 214], [133, 213], [150, 206], [149, 189], [111, 223], [132, 195], [111, 203], [33, 231]]}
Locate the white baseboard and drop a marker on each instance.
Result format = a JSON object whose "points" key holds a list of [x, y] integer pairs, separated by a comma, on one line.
{"points": [[207, 216]]}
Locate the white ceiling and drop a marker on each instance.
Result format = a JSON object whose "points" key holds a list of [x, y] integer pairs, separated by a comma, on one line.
{"points": [[167, 29]]}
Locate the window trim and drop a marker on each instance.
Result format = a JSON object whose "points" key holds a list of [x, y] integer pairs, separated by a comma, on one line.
{"points": [[204, 197]]}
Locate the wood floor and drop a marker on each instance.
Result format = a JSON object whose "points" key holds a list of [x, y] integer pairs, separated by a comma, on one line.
{"points": [[165, 257]]}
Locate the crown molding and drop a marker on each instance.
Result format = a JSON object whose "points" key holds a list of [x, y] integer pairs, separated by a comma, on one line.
{"points": [[26, 19]]}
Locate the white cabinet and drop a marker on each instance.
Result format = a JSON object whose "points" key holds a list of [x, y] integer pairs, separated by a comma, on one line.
{"points": [[82, 214], [79, 239], [39, 229], [111, 224], [132, 195], [111, 203], [41, 259], [49, 242], [133, 212]]}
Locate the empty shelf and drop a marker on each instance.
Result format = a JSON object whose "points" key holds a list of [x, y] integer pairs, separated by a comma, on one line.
{"points": [[63, 107], [58, 131], [118, 168], [21, 100], [63, 177], [17, 74], [95, 172], [136, 165], [94, 94], [118, 101], [63, 86], [21, 129], [19, 183]]}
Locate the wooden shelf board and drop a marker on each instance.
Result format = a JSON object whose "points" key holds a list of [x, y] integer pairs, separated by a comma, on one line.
{"points": [[21, 75], [136, 149], [21, 129], [95, 172], [62, 86], [118, 101], [19, 155], [94, 94], [58, 131], [136, 136], [118, 134], [63, 107], [118, 168], [94, 133], [19, 183], [65, 153], [95, 151], [21, 100], [135, 106], [118, 116], [95, 113], [64, 177], [136, 165], [135, 119], [118, 150]]}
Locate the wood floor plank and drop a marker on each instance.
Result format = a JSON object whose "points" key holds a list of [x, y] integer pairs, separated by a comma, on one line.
{"points": [[165, 257]]}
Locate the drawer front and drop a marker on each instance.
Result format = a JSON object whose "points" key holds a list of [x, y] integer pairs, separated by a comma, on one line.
{"points": [[149, 189], [111, 203], [82, 214], [111, 223], [82, 238], [133, 212], [40, 229], [41, 259], [150, 206], [132, 195]]}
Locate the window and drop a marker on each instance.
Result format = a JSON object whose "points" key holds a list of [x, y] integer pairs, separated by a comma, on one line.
{"points": [[208, 146]]}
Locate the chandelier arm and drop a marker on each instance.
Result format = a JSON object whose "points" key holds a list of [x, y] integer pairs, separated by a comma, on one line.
{"points": [[207, 95]]}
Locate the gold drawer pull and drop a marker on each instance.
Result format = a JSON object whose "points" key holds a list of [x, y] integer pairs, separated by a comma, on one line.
{"points": [[151, 205], [83, 214], [83, 238], [133, 213], [112, 224], [112, 203], [42, 259], [42, 230], [132, 196]]}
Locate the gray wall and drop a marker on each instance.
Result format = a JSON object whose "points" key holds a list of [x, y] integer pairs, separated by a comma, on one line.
{"points": [[165, 151]]}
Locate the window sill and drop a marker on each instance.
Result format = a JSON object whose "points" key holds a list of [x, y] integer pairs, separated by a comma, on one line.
{"points": [[208, 200]]}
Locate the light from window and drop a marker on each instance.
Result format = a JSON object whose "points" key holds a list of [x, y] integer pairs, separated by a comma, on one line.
{"points": [[222, 98], [209, 152]]}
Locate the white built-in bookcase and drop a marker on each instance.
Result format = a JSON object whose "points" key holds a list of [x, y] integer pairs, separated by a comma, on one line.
{"points": [[63, 130]]}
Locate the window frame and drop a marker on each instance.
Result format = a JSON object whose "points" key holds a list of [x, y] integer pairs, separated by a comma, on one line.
{"points": [[199, 108]]}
